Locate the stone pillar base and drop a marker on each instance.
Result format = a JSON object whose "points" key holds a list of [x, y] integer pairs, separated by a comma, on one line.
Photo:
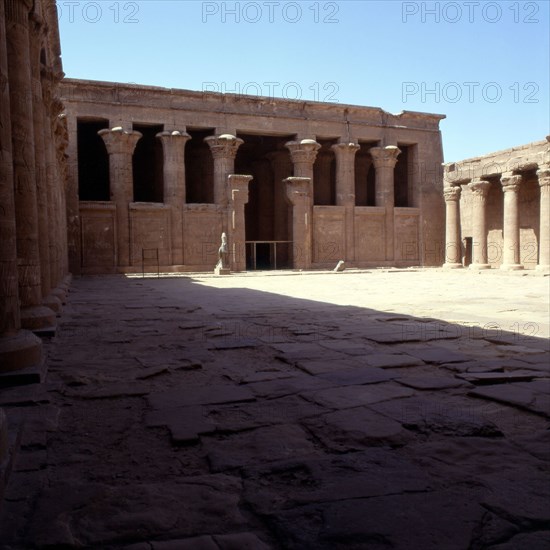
{"points": [[19, 350], [59, 293], [511, 267], [449, 265], [222, 271], [38, 318], [479, 266], [543, 268], [53, 302]]}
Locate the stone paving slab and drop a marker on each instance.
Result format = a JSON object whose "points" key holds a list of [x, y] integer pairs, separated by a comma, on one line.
{"points": [[269, 412]]}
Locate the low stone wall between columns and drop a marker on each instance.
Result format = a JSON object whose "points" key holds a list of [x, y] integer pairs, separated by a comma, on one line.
{"points": [[407, 236], [329, 236], [370, 234], [149, 232]]}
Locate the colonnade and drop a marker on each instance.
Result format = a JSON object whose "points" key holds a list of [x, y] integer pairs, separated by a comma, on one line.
{"points": [[511, 183], [33, 247], [229, 189]]}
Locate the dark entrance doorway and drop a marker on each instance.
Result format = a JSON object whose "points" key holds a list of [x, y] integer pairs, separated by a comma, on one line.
{"points": [[267, 212]]}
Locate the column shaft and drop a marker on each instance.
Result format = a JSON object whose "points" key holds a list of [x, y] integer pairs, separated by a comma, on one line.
{"points": [[345, 191], [384, 159], [173, 146], [18, 348], [479, 189], [544, 235], [299, 192], [120, 147], [510, 186], [33, 316], [453, 247], [238, 187]]}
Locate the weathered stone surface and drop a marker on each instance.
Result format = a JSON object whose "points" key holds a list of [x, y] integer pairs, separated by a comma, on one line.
{"points": [[425, 415], [426, 382], [356, 429], [98, 514], [199, 395], [489, 378], [529, 396], [268, 444], [356, 396], [533, 541], [437, 355], [370, 473], [357, 376], [389, 361], [185, 423]]}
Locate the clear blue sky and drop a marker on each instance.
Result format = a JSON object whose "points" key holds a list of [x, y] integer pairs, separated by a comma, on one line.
{"points": [[483, 64]]}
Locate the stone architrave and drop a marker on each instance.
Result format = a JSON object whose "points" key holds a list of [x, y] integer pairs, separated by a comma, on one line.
{"points": [[238, 197], [453, 245], [224, 150], [510, 186], [120, 146], [543, 173], [385, 159], [18, 348], [34, 316], [345, 190], [173, 146], [299, 193], [479, 189]]}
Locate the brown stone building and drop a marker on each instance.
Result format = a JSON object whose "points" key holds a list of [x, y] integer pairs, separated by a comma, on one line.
{"points": [[33, 243], [498, 209], [294, 184]]}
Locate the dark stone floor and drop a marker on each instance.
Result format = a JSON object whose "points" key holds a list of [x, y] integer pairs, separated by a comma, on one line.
{"points": [[177, 416]]}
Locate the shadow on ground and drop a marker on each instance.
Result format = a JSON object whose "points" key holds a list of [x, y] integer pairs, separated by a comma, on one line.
{"points": [[181, 416]]}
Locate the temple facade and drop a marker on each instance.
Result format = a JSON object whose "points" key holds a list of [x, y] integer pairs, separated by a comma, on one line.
{"points": [[157, 175], [498, 209], [33, 136]]}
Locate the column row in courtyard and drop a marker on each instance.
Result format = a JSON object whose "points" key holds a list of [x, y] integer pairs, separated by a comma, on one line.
{"points": [[33, 247], [120, 145], [511, 182]]}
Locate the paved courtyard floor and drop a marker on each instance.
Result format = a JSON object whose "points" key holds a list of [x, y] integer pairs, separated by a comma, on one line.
{"points": [[360, 410]]}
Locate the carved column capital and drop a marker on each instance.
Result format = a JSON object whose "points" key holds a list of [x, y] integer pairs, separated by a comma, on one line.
{"points": [[452, 193], [345, 150], [224, 146], [510, 182], [543, 173], [304, 151], [117, 140], [176, 135], [385, 157], [479, 188]]}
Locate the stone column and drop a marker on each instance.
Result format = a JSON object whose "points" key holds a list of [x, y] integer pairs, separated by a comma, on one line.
{"points": [[34, 316], [453, 244], [238, 197], [224, 150], [299, 193], [173, 146], [510, 186], [345, 190], [384, 159], [543, 174], [479, 189], [18, 348], [120, 147]]}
